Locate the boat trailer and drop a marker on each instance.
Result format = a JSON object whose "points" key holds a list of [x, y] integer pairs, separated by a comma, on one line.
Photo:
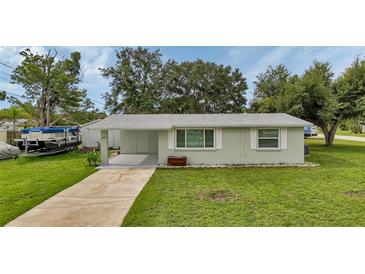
{"points": [[41, 141]]}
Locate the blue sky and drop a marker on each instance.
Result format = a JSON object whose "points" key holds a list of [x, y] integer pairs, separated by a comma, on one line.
{"points": [[250, 61]]}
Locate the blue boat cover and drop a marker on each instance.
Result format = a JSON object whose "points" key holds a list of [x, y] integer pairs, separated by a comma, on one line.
{"points": [[50, 129]]}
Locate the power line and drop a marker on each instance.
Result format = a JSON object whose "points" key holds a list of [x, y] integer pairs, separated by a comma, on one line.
{"points": [[13, 94], [5, 72], [10, 66], [6, 65], [9, 50]]}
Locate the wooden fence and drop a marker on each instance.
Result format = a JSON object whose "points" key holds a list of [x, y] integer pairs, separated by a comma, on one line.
{"points": [[11, 136]]}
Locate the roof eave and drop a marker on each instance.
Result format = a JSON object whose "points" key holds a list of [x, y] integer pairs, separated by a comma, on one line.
{"points": [[127, 128], [197, 126]]}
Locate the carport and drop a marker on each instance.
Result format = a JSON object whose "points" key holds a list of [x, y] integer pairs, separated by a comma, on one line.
{"points": [[132, 161], [138, 148]]}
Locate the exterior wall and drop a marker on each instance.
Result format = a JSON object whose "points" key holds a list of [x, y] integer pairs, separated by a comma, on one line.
{"points": [[104, 147], [236, 149], [91, 137], [138, 141]]}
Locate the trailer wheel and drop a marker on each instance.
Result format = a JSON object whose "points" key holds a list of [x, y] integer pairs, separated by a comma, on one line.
{"points": [[20, 146]]}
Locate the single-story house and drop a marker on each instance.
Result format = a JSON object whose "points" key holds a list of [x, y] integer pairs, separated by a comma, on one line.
{"points": [[211, 139]]}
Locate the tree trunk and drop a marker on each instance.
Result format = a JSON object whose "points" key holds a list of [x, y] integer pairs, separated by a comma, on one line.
{"points": [[48, 108], [41, 109], [48, 115], [326, 135], [14, 128], [329, 137], [329, 134]]}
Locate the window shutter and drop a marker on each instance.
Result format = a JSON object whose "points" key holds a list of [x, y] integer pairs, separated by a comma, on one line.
{"points": [[283, 138], [171, 139], [253, 138], [218, 138]]}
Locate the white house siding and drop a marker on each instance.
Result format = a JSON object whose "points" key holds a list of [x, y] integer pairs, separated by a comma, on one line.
{"points": [[91, 137], [139, 141], [237, 149]]}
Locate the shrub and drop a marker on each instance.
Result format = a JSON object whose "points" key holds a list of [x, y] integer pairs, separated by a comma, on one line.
{"points": [[21, 159], [353, 125], [93, 158]]}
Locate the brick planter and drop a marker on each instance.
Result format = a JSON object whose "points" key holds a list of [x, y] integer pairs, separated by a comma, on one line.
{"points": [[176, 161]]}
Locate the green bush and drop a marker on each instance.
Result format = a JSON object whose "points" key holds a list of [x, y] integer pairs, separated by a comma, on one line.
{"points": [[21, 159], [353, 125], [343, 126], [93, 158]]}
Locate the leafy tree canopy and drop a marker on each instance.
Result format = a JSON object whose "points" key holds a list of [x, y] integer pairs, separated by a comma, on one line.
{"points": [[317, 96], [136, 80], [270, 85], [50, 84], [202, 87], [2, 95], [143, 83]]}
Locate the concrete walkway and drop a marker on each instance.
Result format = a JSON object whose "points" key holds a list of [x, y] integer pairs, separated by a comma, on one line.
{"points": [[102, 199], [344, 137]]}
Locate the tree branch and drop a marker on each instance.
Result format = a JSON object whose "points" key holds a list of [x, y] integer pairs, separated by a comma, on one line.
{"points": [[51, 124]]}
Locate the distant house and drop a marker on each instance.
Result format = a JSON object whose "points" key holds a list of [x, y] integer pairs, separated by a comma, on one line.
{"points": [[19, 124], [207, 138]]}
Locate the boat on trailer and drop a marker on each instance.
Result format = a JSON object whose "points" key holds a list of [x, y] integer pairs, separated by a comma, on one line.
{"points": [[48, 140]]}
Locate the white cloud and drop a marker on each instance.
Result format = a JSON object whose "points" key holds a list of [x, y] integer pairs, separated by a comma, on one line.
{"points": [[273, 57], [238, 55], [11, 54], [91, 60]]}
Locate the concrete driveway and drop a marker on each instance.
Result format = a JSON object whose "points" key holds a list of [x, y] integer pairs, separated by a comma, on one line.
{"points": [[102, 199]]}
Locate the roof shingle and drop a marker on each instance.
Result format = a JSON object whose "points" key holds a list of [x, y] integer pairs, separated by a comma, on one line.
{"points": [[168, 121]]}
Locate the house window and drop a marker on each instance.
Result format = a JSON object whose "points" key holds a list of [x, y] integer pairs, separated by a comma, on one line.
{"points": [[180, 138], [268, 138], [195, 138], [209, 138]]}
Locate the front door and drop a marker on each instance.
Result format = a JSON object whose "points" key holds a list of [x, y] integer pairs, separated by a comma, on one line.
{"points": [[143, 142]]}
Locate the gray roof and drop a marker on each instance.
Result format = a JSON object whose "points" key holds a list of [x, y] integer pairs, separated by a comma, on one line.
{"points": [[168, 121], [89, 123]]}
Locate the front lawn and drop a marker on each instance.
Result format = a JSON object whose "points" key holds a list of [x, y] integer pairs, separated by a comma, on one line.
{"points": [[332, 194], [26, 182], [349, 133]]}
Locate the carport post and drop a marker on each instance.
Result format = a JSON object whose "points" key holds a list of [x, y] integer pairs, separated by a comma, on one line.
{"points": [[104, 147]]}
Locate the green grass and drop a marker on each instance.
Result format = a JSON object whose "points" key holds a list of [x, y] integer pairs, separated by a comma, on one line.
{"points": [[349, 133], [26, 182], [259, 196], [344, 133]]}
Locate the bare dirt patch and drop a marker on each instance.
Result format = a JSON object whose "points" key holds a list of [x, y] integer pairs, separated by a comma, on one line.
{"points": [[360, 193], [216, 195]]}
